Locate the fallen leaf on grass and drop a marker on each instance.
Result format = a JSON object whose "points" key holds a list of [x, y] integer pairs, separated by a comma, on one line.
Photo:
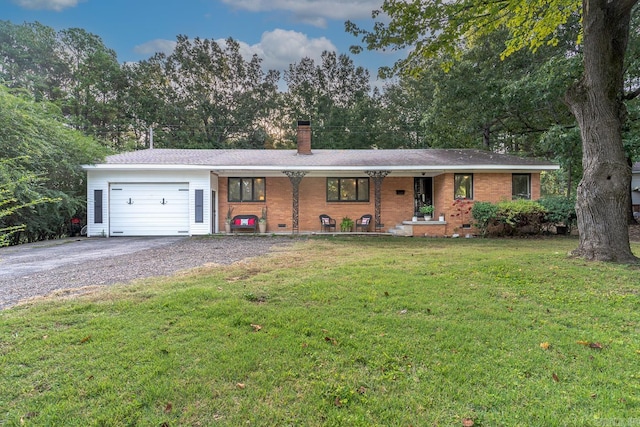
{"points": [[362, 390], [467, 422], [85, 339], [168, 408], [594, 345], [555, 377], [331, 340], [241, 386], [256, 328], [545, 345]]}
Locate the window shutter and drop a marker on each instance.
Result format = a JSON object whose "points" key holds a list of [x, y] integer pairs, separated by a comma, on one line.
{"points": [[199, 205], [97, 206]]}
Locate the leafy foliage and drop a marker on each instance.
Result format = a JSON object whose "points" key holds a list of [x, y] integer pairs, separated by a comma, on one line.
{"points": [[41, 159], [524, 216], [509, 217], [484, 213], [432, 28], [334, 96], [560, 210]]}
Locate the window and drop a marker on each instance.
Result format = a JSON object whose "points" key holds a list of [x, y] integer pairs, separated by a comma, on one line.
{"points": [[247, 190], [347, 189], [97, 206], [463, 186], [199, 206], [521, 186]]}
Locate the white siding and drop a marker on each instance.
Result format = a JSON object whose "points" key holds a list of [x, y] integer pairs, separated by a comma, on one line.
{"points": [[101, 180]]}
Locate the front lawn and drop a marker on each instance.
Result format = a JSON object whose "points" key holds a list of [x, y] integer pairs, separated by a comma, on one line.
{"points": [[339, 332]]}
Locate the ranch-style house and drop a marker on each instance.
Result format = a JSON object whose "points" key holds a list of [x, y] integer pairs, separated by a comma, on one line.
{"points": [[165, 192]]}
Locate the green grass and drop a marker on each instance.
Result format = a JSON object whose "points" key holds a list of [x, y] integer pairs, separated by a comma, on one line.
{"points": [[348, 332]]}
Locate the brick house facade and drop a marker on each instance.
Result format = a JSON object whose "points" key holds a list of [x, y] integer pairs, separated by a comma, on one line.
{"points": [[338, 183]]}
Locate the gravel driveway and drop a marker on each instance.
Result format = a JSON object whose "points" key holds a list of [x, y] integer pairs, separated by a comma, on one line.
{"points": [[39, 269]]}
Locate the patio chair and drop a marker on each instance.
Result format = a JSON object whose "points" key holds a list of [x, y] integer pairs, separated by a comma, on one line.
{"points": [[363, 222], [327, 223]]}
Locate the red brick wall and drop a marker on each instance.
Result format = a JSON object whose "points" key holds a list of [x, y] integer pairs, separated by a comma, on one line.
{"points": [[395, 207]]}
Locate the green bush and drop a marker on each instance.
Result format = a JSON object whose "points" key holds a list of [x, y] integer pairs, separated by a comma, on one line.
{"points": [[484, 213], [560, 210], [509, 217], [520, 212]]}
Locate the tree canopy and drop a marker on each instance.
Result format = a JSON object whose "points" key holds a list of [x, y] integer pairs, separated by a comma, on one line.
{"points": [[433, 28], [41, 182], [482, 74]]}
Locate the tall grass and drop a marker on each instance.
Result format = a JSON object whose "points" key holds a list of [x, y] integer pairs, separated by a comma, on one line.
{"points": [[337, 332]]}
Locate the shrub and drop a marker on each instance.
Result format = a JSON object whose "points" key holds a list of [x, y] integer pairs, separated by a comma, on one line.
{"points": [[520, 212], [509, 217], [484, 213], [560, 210]]}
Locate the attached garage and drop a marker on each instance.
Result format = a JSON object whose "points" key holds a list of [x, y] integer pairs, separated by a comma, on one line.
{"points": [[148, 209]]}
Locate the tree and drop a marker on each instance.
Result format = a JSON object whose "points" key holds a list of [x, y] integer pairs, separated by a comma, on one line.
{"points": [[213, 97], [330, 94], [433, 27], [92, 83], [41, 183], [29, 59]]}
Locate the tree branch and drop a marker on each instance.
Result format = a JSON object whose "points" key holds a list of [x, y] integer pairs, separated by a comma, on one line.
{"points": [[631, 95]]}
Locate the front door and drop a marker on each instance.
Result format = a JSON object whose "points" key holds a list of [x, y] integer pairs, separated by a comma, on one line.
{"points": [[422, 193]]}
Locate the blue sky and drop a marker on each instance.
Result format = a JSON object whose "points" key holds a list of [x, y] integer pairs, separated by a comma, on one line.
{"points": [[279, 31]]}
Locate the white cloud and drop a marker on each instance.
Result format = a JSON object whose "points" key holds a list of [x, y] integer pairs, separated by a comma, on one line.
{"points": [[279, 48], [154, 46], [313, 12], [56, 5]]}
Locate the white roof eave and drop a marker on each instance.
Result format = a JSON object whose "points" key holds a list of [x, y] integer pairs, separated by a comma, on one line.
{"points": [[408, 168]]}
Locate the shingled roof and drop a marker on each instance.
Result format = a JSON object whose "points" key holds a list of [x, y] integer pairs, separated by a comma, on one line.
{"points": [[323, 160]]}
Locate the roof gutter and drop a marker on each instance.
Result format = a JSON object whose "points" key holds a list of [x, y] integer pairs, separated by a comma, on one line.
{"points": [[229, 168]]}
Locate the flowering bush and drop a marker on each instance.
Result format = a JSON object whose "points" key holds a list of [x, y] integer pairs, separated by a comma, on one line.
{"points": [[462, 208]]}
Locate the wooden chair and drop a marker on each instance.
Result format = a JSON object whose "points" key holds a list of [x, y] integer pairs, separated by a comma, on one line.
{"points": [[363, 222], [327, 223]]}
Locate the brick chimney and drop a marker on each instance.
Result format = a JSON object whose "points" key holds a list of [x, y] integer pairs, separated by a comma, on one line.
{"points": [[304, 137]]}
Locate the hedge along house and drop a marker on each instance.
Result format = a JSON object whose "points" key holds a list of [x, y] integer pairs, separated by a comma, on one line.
{"points": [[189, 191]]}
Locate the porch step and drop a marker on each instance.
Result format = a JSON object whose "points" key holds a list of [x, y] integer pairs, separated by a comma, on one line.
{"points": [[401, 230]]}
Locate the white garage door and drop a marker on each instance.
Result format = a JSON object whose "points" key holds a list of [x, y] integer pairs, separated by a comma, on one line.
{"points": [[149, 209]]}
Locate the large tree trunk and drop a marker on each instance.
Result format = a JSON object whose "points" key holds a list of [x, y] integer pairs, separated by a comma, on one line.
{"points": [[596, 101]]}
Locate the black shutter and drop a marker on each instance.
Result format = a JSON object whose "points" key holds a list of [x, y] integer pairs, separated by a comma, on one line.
{"points": [[97, 206], [199, 205]]}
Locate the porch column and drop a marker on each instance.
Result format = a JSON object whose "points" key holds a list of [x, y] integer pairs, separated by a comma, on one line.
{"points": [[295, 177], [377, 177]]}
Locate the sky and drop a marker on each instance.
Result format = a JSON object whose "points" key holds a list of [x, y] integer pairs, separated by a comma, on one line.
{"points": [[281, 32]]}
